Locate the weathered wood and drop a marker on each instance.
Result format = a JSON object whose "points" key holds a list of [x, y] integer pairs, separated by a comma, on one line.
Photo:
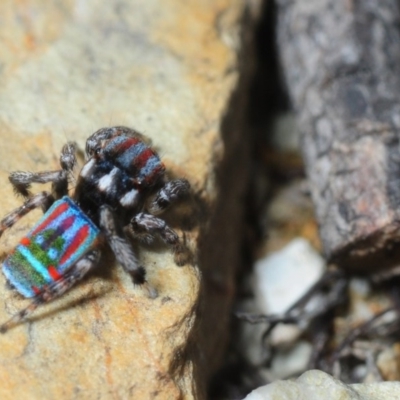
{"points": [[341, 62]]}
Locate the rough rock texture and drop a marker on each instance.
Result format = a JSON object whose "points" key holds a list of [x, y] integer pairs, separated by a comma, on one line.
{"points": [[316, 385], [177, 71], [341, 60]]}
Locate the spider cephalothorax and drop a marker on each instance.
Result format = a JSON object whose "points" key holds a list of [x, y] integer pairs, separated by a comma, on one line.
{"points": [[119, 190]]}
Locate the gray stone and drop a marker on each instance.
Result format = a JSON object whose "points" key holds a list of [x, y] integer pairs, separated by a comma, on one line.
{"points": [[317, 385], [281, 278]]}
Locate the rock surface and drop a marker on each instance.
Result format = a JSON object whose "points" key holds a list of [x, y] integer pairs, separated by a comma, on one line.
{"points": [[316, 385], [175, 71]]}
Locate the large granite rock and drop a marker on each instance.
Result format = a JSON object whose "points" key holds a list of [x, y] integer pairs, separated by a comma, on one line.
{"points": [[176, 71]]}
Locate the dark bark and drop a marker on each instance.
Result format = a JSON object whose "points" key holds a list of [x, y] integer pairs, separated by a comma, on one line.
{"points": [[341, 62]]}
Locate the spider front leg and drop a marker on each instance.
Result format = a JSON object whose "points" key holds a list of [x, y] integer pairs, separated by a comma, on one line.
{"points": [[22, 180], [168, 194], [43, 199], [122, 249], [56, 288], [145, 227]]}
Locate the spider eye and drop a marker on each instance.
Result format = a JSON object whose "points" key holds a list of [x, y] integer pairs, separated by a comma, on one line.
{"points": [[93, 151]]}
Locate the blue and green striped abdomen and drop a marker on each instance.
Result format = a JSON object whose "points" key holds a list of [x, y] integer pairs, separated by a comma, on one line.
{"points": [[62, 236]]}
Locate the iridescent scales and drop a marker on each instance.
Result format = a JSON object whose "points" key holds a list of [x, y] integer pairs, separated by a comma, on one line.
{"points": [[62, 236]]}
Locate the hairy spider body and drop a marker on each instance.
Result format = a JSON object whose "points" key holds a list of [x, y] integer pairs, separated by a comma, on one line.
{"points": [[119, 190], [120, 174]]}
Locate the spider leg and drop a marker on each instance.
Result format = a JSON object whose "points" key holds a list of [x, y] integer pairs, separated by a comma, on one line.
{"points": [[43, 199], [22, 180], [168, 194], [57, 288], [122, 249], [145, 227]]}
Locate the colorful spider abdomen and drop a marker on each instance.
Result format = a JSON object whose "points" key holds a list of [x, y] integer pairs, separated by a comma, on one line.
{"points": [[61, 237]]}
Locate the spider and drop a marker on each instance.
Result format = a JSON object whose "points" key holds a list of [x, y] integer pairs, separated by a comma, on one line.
{"points": [[119, 191]]}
